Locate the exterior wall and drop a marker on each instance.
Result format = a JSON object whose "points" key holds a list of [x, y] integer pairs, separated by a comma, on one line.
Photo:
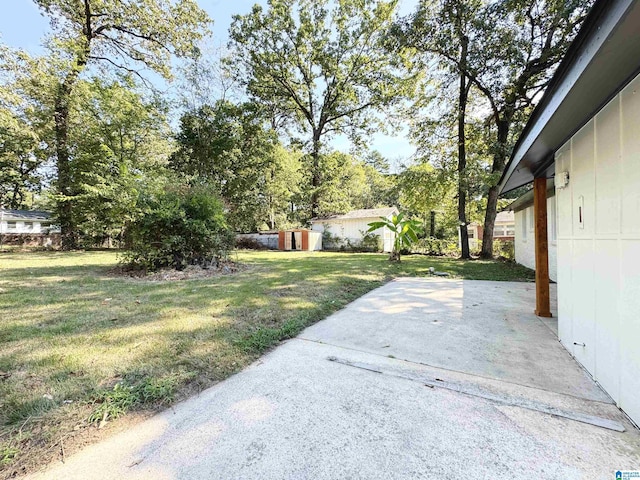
{"points": [[525, 241], [352, 229], [599, 245], [268, 240], [21, 226], [314, 241], [48, 240], [476, 232]]}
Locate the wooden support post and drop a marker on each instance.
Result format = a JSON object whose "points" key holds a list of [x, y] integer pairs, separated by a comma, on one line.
{"points": [[543, 308]]}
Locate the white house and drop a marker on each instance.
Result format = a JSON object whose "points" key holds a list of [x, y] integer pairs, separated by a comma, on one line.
{"points": [[585, 132], [524, 240], [24, 221], [503, 230], [352, 225]]}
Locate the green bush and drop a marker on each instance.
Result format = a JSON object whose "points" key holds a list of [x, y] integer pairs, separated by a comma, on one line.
{"points": [[180, 227], [504, 249], [369, 242], [435, 246]]}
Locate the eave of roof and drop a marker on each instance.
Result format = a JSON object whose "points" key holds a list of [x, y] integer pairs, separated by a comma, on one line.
{"points": [[360, 214], [8, 214], [603, 58], [526, 200]]}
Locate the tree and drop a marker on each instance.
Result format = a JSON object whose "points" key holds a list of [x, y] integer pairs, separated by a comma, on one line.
{"points": [[120, 142], [512, 50], [320, 68], [125, 34], [25, 126], [519, 58], [282, 187], [425, 189], [230, 147], [405, 232]]}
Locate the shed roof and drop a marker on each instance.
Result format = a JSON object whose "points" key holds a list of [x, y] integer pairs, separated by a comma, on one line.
{"points": [[599, 63], [364, 213], [8, 214]]}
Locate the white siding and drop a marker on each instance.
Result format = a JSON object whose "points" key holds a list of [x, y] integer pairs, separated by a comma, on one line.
{"points": [[20, 226], [599, 257], [353, 228], [525, 241]]}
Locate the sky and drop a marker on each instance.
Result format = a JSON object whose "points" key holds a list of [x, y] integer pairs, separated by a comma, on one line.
{"points": [[23, 26]]}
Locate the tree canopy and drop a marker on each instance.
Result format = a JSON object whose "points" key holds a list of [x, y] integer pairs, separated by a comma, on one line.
{"points": [[321, 67]]}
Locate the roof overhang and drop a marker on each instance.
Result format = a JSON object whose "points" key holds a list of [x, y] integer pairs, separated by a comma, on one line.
{"points": [[604, 57], [526, 200]]}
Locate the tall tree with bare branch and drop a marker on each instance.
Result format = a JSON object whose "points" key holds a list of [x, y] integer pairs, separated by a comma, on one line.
{"points": [[320, 65], [128, 35], [513, 49]]}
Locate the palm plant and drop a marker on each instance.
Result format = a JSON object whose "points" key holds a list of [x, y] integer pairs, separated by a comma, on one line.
{"points": [[405, 232]]}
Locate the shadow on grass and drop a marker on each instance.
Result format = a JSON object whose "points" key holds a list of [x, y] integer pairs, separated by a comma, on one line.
{"points": [[76, 330]]}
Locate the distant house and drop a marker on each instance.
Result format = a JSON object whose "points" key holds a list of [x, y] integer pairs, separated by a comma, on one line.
{"points": [[504, 229], [524, 239], [353, 225], [25, 222]]}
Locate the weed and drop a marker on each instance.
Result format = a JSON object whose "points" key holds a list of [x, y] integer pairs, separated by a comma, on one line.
{"points": [[117, 401], [7, 454]]}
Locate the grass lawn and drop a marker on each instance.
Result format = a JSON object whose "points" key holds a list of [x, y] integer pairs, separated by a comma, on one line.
{"points": [[80, 347]]}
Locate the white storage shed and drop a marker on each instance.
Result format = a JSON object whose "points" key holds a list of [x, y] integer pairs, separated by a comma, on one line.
{"points": [[352, 225]]}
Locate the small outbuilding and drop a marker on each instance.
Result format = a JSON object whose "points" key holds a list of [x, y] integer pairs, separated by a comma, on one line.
{"points": [[352, 226], [299, 239], [585, 133]]}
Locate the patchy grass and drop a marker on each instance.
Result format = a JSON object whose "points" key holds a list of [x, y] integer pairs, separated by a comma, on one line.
{"points": [[80, 347]]}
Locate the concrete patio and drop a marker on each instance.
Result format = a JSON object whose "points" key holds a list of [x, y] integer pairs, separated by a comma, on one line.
{"points": [[420, 378]]}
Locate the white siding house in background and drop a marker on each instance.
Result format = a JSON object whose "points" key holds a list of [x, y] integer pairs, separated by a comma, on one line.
{"points": [[503, 230], [353, 224], [585, 132], [24, 221], [524, 241]]}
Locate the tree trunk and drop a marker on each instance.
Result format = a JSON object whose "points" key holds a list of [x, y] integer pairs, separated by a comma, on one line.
{"points": [[315, 174], [61, 119], [462, 152], [499, 162], [432, 225], [63, 164]]}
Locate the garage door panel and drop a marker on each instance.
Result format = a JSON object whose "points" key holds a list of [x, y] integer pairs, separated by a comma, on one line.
{"points": [[630, 328], [565, 292], [583, 303], [607, 334]]}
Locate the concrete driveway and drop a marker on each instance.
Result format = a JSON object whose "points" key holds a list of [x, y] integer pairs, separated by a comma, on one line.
{"points": [[420, 378]]}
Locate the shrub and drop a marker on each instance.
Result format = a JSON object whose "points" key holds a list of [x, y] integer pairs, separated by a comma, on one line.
{"points": [[368, 243], [250, 244], [405, 233], [331, 242], [504, 249], [435, 246], [179, 227]]}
